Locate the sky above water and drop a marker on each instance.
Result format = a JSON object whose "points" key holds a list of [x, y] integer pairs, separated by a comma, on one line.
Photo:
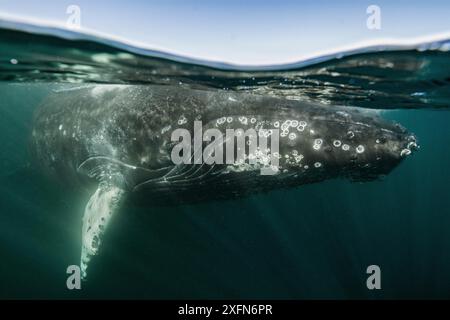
{"points": [[249, 32]]}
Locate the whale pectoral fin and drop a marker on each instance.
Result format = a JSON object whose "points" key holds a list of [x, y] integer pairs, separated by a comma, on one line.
{"points": [[97, 214], [101, 167]]}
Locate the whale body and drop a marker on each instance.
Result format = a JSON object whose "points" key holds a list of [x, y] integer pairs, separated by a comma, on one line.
{"points": [[116, 141]]}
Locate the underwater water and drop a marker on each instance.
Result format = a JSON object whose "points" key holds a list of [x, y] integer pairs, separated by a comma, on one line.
{"points": [[314, 241]]}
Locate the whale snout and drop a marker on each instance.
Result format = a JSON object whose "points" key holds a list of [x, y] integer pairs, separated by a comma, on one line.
{"points": [[385, 144], [402, 142], [409, 145]]}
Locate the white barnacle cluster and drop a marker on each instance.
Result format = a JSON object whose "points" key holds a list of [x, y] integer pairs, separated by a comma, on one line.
{"points": [[317, 144], [276, 155], [294, 159], [265, 132], [221, 121], [412, 144], [182, 120], [301, 126], [407, 151], [260, 125], [243, 120], [258, 159], [262, 157], [337, 143], [285, 127], [345, 147], [298, 158]]}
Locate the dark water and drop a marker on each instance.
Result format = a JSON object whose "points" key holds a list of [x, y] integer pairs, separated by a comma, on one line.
{"points": [[314, 241]]}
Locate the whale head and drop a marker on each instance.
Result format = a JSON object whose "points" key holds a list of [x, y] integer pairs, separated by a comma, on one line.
{"points": [[349, 143], [381, 148]]}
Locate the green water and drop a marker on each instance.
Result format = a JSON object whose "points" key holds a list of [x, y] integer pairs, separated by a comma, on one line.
{"points": [[314, 241]]}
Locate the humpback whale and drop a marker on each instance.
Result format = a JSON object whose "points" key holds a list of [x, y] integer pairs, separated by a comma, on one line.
{"points": [[116, 142]]}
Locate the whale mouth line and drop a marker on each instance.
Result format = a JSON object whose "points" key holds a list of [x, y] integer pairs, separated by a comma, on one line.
{"points": [[83, 163], [119, 173]]}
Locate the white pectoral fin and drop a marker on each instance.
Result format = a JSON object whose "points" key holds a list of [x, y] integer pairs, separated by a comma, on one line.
{"points": [[98, 212]]}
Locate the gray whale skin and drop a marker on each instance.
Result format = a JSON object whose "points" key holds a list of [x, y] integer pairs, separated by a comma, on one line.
{"points": [[115, 142]]}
